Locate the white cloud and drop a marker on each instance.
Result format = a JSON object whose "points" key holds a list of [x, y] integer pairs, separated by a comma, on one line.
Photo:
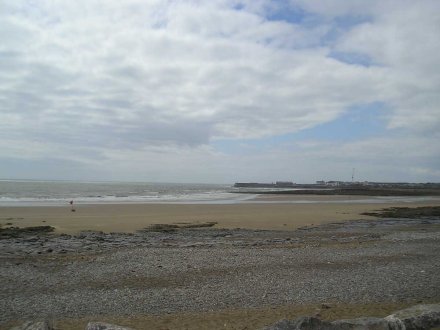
{"points": [[406, 40], [88, 79], [89, 64]]}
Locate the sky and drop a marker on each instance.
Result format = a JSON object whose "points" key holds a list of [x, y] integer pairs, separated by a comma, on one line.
{"points": [[220, 91]]}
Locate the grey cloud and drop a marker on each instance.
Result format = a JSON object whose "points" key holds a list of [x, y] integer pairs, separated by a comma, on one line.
{"points": [[10, 63], [49, 168]]}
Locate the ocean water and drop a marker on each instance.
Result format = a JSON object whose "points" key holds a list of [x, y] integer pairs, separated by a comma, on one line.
{"points": [[17, 192], [53, 193]]}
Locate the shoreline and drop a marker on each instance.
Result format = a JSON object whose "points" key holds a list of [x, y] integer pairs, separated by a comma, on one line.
{"points": [[282, 213], [236, 198]]}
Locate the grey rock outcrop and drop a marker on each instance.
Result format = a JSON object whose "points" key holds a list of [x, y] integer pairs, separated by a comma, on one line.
{"points": [[420, 317], [105, 326], [417, 317], [35, 325]]}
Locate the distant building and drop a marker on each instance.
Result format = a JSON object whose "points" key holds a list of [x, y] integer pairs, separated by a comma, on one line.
{"points": [[321, 182], [334, 183]]}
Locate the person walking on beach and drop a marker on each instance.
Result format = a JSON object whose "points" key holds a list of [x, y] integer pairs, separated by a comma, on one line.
{"points": [[71, 205]]}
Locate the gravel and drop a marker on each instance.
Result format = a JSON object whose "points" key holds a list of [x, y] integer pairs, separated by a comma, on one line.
{"points": [[211, 269]]}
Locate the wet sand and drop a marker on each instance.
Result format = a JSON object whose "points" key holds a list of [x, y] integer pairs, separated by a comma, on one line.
{"points": [[130, 217]]}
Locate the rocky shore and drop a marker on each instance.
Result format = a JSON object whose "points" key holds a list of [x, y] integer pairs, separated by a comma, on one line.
{"points": [[163, 270]]}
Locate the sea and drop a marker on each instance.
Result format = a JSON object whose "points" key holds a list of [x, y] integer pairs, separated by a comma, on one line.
{"points": [[29, 192], [58, 193]]}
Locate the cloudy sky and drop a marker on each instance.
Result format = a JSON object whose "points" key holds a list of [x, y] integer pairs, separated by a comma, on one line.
{"points": [[220, 90]]}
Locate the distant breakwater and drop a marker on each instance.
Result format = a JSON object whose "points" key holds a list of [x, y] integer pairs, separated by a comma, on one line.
{"points": [[350, 191]]}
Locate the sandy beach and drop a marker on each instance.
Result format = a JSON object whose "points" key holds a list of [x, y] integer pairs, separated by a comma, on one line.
{"points": [[209, 278], [313, 250], [278, 214]]}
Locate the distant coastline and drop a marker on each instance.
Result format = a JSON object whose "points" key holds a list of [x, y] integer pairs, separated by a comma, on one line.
{"points": [[341, 188]]}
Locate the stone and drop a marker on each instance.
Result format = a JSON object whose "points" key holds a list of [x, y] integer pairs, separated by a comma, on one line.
{"points": [[35, 325], [312, 323], [418, 317], [302, 323], [364, 323], [105, 326]]}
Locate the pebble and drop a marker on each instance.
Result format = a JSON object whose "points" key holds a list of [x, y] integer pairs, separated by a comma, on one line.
{"points": [[121, 274]]}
